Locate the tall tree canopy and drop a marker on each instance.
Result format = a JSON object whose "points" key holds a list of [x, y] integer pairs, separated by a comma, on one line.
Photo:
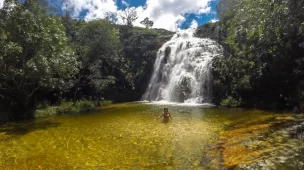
{"points": [[47, 57], [264, 40], [128, 15], [99, 47], [34, 56]]}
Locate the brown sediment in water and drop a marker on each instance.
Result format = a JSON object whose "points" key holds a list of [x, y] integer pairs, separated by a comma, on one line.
{"points": [[234, 151], [247, 144]]}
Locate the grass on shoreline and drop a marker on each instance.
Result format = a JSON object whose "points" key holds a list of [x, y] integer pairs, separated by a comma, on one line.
{"points": [[68, 107]]}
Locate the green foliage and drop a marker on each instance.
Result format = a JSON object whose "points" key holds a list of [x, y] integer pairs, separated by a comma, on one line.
{"points": [[84, 105], [140, 47], [65, 107], [231, 102], [49, 58], [34, 56], [47, 112], [263, 52], [146, 22], [99, 47], [209, 30], [106, 102], [116, 60]]}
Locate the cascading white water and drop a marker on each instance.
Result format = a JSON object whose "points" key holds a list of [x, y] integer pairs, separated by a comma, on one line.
{"points": [[182, 70]]}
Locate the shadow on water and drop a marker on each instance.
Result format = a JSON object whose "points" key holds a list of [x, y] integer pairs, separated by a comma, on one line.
{"points": [[22, 128]]}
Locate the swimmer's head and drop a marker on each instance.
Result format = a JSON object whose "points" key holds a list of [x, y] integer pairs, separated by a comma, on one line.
{"points": [[165, 109]]}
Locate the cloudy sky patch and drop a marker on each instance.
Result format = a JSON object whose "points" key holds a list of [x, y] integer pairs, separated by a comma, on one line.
{"points": [[168, 14], [1, 3]]}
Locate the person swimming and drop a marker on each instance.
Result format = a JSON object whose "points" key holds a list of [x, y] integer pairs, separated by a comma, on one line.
{"points": [[166, 116]]}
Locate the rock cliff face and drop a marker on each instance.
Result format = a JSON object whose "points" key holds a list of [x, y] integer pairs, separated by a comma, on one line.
{"points": [[140, 47]]}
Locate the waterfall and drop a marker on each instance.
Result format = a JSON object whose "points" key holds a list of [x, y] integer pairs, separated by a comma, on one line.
{"points": [[182, 70]]}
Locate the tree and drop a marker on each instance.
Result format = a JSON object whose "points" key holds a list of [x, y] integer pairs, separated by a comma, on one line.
{"points": [[111, 17], [147, 23], [34, 56], [129, 15], [265, 58], [99, 48]]}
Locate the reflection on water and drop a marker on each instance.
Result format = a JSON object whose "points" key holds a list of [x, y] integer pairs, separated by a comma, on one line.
{"points": [[127, 136]]}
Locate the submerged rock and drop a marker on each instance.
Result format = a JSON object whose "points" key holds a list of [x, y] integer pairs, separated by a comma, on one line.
{"points": [[297, 131]]}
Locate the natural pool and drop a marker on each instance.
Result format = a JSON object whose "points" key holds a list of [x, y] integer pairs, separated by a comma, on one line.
{"points": [[127, 136]]}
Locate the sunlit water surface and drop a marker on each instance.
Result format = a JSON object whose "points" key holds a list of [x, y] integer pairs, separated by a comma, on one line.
{"points": [[122, 136]]}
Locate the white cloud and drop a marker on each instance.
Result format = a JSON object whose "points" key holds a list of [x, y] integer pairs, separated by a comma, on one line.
{"points": [[125, 3], [214, 20], [194, 24], [95, 8], [167, 14], [1, 3]]}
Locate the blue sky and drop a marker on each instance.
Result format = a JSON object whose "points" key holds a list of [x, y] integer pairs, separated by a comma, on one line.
{"points": [[203, 18], [168, 14]]}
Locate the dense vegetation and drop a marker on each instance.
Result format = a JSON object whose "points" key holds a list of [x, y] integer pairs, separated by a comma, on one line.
{"points": [[264, 53], [46, 59]]}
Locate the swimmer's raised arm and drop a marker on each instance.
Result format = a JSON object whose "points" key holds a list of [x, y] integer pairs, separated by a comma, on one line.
{"points": [[159, 116]]}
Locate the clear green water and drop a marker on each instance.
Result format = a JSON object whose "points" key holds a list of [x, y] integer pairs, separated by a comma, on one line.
{"points": [[122, 136]]}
